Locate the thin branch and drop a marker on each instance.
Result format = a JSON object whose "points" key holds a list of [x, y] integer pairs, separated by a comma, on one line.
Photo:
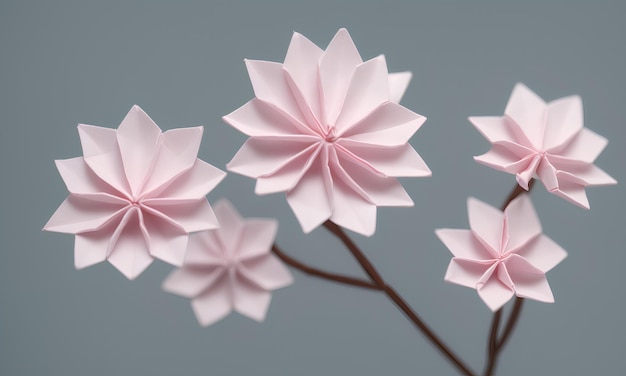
{"points": [[397, 299], [323, 274], [510, 325], [492, 345]]}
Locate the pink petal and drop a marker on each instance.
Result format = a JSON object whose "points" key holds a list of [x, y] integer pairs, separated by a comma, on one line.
{"points": [[267, 271], [564, 121], [231, 227], [102, 155], [250, 300], [257, 237], [76, 215], [585, 147], [392, 161], [495, 294], [176, 155], [204, 250], [187, 217], [547, 175], [573, 193], [138, 138], [214, 303], [91, 248], [167, 243], [191, 282], [487, 224], [302, 64], [588, 175], [310, 199], [466, 272], [259, 119], [528, 111], [398, 83], [82, 182], [463, 244], [543, 253], [286, 178], [502, 158], [494, 128], [367, 183], [530, 282], [192, 186], [262, 157], [130, 253], [270, 86], [368, 90], [351, 211], [521, 221], [336, 69], [526, 175]]}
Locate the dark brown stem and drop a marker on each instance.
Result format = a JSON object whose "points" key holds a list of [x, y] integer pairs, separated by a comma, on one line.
{"points": [[323, 274], [495, 345], [510, 325], [396, 298]]}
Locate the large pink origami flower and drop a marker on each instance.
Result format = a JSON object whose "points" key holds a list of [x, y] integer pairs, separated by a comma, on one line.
{"points": [[547, 140], [230, 268], [503, 253], [326, 129], [135, 194]]}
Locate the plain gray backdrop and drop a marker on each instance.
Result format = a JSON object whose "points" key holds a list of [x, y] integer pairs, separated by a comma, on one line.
{"points": [[64, 63]]}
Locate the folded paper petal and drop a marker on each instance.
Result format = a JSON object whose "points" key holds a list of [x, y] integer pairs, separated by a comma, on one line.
{"points": [[325, 126], [230, 268], [136, 194]]}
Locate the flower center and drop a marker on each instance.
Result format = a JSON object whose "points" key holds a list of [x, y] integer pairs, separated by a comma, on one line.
{"points": [[330, 136]]}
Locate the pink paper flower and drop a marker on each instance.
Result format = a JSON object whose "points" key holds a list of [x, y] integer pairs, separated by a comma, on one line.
{"points": [[230, 268], [135, 194], [503, 253], [547, 140], [325, 128]]}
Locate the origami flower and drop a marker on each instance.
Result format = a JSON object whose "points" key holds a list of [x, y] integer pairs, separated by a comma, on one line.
{"points": [[135, 195], [547, 140], [326, 129], [230, 268], [503, 253]]}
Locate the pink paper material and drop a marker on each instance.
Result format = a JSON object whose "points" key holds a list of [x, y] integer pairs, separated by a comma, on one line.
{"points": [[503, 253], [135, 194], [547, 140], [230, 268], [325, 127]]}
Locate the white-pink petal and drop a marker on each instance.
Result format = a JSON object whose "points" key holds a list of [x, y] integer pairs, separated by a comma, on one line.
{"points": [[564, 121], [91, 248], [191, 282], [193, 185], [257, 238], [398, 83], [138, 139], [487, 224], [466, 272], [585, 147], [204, 249], [400, 160], [352, 211], [186, 217], [81, 181], [522, 223], [130, 253], [463, 244], [528, 112], [543, 253], [529, 281], [167, 243], [494, 128], [266, 271], [76, 215], [214, 303], [249, 299], [259, 119], [495, 293], [389, 125]]}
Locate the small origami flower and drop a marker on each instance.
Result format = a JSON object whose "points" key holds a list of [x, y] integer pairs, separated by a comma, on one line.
{"points": [[230, 268], [503, 253], [544, 139], [135, 194], [325, 128]]}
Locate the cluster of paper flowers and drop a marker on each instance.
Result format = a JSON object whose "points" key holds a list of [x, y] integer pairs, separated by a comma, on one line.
{"points": [[325, 128]]}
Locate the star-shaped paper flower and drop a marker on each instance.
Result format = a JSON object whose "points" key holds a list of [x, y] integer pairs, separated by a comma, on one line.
{"points": [[326, 129], [503, 253], [135, 194], [547, 140], [230, 268]]}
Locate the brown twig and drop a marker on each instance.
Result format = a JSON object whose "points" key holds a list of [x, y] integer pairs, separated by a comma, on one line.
{"points": [[396, 298], [510, 325]]}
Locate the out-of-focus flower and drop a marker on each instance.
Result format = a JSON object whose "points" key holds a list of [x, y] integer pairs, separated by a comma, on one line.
{"points": [[503, 253], [230, 268], [548, 140], [135, 194], [325, 127]]}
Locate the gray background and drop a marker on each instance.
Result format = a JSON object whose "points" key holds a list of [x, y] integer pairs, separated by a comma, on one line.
{"points": [[66, 63]]}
